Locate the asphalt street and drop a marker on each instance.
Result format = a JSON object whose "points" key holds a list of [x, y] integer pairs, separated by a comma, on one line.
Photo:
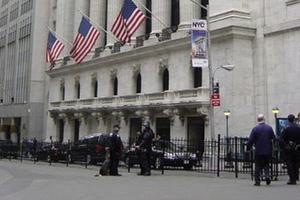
{"points": [[26, 181]]}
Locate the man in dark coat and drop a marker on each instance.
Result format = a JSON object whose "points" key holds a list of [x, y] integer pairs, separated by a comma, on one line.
{"points": [[144, 146], [261, 137], [115, 149], [291, 143]]}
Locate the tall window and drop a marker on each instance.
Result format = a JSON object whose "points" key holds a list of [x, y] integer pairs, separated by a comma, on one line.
{"points": [[62, 92], [138, 83], [77, 90], [115, 88], [175, 13], [197, 77], [165, 80], [149, 18], [203, 11], [95, 88]]}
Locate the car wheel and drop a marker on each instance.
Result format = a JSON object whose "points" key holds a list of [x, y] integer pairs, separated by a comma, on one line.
{"points": [[158, 163], [187, 167], [89, 159], [70, 158], [48, 158]]}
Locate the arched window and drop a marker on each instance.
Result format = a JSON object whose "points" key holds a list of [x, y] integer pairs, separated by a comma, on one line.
{"points": [[138, 83], [95, 88], [197, 77], [166, 80], [115, 86], [77, 89]]}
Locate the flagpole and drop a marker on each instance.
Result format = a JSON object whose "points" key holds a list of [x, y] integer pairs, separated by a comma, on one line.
{"points": [[199, 4], [103, 29], [69, 43], [151, 13]]}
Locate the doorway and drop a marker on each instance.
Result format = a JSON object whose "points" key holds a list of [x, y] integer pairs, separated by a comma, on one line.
{"points": [[76, 129], [135, 126], [61, 130], [163, 128], [195, 132]]}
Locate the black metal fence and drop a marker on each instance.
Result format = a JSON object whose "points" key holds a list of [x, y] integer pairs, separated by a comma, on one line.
{"points": [[223, 155]]}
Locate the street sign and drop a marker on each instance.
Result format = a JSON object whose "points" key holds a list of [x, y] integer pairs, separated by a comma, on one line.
{"points": [[215, 100]]}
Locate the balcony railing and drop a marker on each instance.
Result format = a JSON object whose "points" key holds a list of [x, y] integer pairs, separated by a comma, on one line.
{"points": [[198, 95]]}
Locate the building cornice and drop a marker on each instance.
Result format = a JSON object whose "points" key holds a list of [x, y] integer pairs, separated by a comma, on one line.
{"points": [[283, 27], [291, 2], [136, 53]]}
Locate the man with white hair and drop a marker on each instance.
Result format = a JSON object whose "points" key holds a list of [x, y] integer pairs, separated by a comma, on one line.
{"points": [[261, 137]]}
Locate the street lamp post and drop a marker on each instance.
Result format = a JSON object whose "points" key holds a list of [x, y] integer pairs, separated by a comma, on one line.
{"points": [[229, 164], [275, 111]]}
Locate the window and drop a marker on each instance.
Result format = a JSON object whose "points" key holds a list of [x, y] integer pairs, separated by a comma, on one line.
{"points": [[95, 88], [77, 89], [197, 77], [175, 13], [166, 80], [115, 88], [138, 83], [203, 11], [62, 92], [149, 18]]}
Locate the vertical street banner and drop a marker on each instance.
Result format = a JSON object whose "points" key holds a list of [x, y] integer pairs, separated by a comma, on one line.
{"points": [[199, 43]]}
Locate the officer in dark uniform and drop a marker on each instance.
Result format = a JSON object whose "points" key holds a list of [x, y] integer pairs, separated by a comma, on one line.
{"points": [[144, 146], [291, 143], [115, 148]]}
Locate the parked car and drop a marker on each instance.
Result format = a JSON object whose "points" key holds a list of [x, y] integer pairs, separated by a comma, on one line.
{"points": [[90, 149], [54, 152], [8, 149], [164, 153]]}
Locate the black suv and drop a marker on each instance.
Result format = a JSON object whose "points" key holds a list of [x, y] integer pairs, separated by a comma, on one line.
{"points": [[90, 149]]}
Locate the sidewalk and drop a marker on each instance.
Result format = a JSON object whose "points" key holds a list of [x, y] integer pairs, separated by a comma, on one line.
{"points": [[35, 182]]}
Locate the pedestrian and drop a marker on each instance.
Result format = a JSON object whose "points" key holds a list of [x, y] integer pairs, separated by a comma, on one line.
{"points": [[115, 150], [144, 147], [261, 137], [291, 143]]}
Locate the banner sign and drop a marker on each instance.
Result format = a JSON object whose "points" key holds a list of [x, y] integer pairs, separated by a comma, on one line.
{"points": [[199, 43]]}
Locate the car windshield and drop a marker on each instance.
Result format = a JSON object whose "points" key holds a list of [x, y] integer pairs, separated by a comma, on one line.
{"points": [[167, 146]]}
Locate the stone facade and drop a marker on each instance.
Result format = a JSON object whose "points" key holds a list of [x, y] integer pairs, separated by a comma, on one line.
{"points": [[22, 64], [258, 37]]}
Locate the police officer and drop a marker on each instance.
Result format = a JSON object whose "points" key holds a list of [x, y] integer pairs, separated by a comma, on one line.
{"points": [[115, 148], [291, 140], [144, 145]]}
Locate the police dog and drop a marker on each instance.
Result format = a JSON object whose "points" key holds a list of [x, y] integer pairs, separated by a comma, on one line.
{"points": [[104, 170]]}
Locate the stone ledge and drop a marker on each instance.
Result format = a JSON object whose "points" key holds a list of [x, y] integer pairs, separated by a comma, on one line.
{"points": [[233, 31], [291, 2], [283, 27]]}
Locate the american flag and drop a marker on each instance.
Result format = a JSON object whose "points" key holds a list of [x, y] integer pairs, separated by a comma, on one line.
{"points": [[84, 41], [54, 48], [128, 21]]}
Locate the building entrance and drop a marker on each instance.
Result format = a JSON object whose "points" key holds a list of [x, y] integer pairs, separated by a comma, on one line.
{"points": [[163, 128], [135, 127], [196, 132]]}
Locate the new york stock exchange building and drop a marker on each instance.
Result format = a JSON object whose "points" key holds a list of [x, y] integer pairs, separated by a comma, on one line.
{"points": [[152, 77]]}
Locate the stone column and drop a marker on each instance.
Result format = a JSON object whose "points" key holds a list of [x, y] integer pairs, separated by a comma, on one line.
{"points": [[142, 29], [162, 10], [2, 133], [13, 129], [188, 12], [65, 21], [98, 15], [113, 8], [83, 6]]}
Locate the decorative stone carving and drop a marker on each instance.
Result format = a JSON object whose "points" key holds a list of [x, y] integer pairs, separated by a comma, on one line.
{"points": [[94, 76], [163, 64], [113, 74], [62, 82], [136, 69], [202, 111], [77, 78]]}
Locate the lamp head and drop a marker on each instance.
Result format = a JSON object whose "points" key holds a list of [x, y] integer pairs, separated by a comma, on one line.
{"points": [[227, 113], [228, 67], [275, 110]]}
